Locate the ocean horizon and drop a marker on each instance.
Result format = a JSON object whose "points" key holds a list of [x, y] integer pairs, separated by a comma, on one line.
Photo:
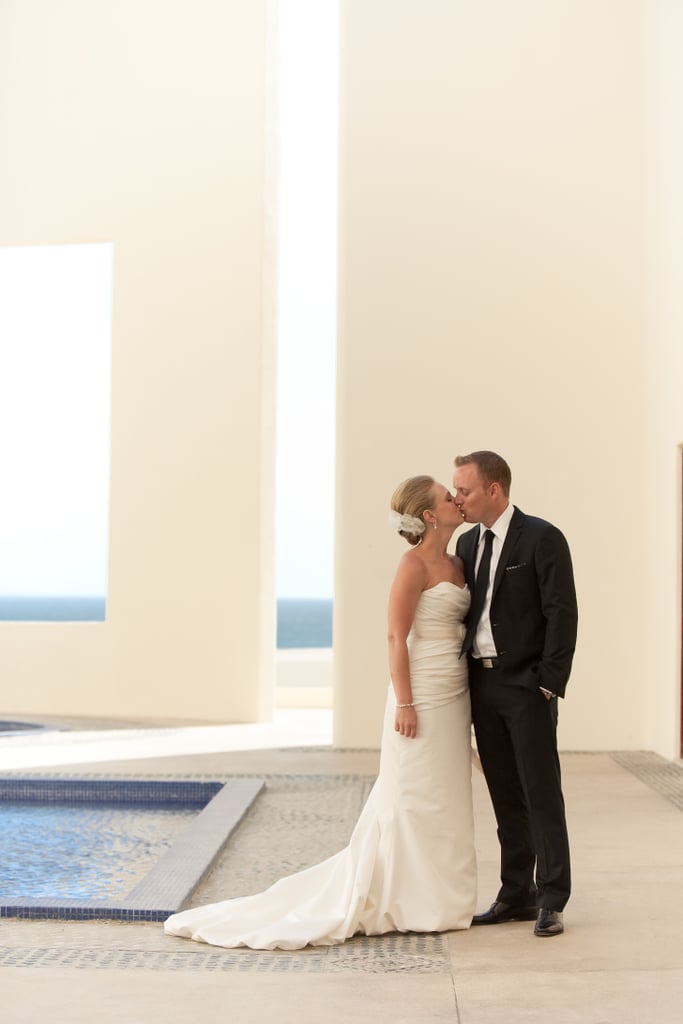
{"points": [[48, 608], [301, 622], [304, 622]]}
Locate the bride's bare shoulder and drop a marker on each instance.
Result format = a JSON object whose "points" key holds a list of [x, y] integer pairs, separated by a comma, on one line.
{"points": [[412, 566]]}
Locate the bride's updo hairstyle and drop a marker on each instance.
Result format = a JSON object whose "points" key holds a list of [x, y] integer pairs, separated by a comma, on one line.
{"points": [[410, 501]]}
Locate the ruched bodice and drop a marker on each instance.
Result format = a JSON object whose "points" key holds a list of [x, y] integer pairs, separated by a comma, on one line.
{"points": [[440, 612], [437, 672]]}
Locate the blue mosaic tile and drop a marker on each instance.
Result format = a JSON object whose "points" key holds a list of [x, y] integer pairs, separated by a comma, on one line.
{"points": [[127, 791]]}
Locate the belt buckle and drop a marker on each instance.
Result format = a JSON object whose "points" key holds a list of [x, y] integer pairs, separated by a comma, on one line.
{"points": [[488, 662]]}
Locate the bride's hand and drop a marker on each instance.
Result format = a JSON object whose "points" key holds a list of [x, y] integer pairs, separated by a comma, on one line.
{"points": [[406, 722]]}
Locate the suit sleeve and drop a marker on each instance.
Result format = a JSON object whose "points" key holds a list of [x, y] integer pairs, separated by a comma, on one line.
{"points": [[558, 603]]}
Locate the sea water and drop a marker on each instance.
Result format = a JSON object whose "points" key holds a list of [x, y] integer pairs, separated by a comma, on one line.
{"points": [[52, 609], [301, 622], [304, 622]]}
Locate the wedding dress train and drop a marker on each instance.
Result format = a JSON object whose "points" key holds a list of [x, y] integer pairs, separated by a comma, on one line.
{"points": [[410, 863]]}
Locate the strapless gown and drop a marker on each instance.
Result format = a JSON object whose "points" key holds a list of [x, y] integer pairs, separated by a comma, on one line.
{"points": [[410, 863]]}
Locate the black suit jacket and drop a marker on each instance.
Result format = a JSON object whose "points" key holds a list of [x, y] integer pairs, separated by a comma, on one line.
{"points": [[533, 606]]}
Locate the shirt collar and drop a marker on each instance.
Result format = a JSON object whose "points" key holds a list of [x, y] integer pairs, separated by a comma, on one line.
{"points": [[501, 525]]}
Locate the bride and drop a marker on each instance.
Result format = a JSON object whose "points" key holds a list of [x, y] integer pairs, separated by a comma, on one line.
{"points": [[410, 863]]}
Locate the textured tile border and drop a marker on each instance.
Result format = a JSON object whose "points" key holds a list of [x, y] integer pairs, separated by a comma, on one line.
{"points": [[72, 789], [380, 954], [665, 777], [169, 885]]}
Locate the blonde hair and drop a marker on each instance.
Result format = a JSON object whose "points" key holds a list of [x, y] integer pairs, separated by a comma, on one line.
{"points": [[412, 498]]}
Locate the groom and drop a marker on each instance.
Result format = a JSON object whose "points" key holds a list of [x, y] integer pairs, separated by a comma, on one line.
{"points": [[520, 639]]}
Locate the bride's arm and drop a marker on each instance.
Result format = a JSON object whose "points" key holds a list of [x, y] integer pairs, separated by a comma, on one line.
{"points": [[403, 597]]}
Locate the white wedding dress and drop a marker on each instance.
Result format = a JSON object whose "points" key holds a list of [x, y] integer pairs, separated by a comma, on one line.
{"points": [[410, 863]]}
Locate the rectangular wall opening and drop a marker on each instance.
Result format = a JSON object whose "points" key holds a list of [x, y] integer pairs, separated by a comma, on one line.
{"points": [[306, 342], [55, 383]]}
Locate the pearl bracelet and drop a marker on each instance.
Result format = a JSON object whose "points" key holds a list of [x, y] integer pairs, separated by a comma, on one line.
{"points": [[411, 705]]}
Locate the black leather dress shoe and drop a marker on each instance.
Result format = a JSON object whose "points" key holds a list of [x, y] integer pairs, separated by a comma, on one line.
{"points": [[499, 912], [549, 922]]}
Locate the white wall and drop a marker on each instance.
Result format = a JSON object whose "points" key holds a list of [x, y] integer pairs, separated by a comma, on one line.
{"points": [[142, 122], [492, 295], [657, 489]]}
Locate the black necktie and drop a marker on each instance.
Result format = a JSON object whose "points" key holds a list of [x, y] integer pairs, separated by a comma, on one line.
{"points": [[480, 587]]}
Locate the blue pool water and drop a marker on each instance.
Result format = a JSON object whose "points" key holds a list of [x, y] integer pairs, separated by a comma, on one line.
{"points": [[81, 850], [9, 726]]}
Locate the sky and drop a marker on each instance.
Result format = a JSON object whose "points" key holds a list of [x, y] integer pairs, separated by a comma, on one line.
{"points": [[55, 353], [307, 298]]}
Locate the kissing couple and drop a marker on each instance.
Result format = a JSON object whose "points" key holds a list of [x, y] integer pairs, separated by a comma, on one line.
{"points": [[482, 637]]}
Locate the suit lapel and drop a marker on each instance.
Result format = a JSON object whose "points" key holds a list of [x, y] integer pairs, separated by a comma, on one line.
{"points": [[511, 538], [469, 544]]}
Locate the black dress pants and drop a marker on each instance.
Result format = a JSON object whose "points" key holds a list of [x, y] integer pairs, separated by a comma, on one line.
{"points": [[516, 731]]}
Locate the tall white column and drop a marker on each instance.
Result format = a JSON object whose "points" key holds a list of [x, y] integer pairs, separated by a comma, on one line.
{"points": [[143, 122], [492, 295]]}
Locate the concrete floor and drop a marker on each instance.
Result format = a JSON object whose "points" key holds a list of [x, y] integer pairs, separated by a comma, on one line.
{"points": [[620, 960]]}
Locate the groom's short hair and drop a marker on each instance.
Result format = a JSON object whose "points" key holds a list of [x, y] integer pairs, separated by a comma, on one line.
{"points": [[492, 468]]}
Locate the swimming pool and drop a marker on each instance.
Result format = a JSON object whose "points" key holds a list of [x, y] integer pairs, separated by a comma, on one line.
{"points": [[179, 825], [9, 727]]}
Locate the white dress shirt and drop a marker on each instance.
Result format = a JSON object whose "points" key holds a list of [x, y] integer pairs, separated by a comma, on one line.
{"points": [[483, 645]]}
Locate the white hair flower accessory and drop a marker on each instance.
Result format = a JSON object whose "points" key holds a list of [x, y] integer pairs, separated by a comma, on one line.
{"points": [[408, 524]]}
